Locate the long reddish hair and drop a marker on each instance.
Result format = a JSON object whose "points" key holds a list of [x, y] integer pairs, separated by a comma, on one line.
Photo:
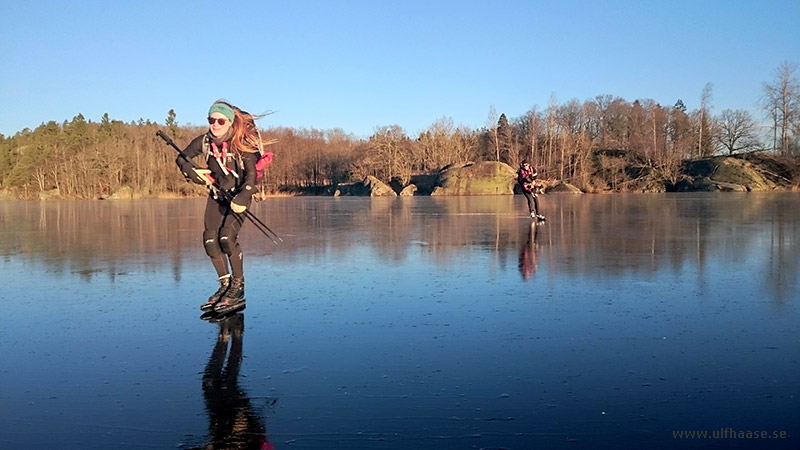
{"points": [[245, 131]]}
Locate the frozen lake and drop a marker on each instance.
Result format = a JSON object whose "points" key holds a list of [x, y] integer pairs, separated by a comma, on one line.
{"points": [[406, 323]]}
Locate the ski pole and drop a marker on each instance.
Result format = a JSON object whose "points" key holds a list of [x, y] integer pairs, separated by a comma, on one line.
{"points": [[261, 226]]}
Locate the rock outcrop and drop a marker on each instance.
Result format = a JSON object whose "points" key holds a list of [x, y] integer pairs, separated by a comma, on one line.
{"points": [[483, 178], [730, 173], [370, 186], [563, 188], [409, 190]]}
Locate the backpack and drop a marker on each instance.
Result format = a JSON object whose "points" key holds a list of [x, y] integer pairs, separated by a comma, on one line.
{"points": [[264, 158], [263, 161]]}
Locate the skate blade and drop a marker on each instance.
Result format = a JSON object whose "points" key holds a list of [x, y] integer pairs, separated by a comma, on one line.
{"points": [[216, 316], [231, 309], [208, 315]]}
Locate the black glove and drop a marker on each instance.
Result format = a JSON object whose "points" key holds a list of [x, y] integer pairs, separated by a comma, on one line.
{"points": [[188, 171]]}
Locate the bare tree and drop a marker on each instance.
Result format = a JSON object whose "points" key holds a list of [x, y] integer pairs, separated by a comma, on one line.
{"points": [[389, 150], [492, 125], [550, 130], [637, 128], [703, 122], [737, 131], [680, 132], [504, 137], [466, 144], [439, 145], [781, 101], [531, 124], [569, 118]]}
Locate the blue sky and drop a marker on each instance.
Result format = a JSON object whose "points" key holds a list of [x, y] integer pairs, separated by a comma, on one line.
{"points": [[358, 65]]}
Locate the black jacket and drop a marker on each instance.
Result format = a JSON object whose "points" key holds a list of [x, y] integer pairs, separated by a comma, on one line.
{"points": [[240, 179]]}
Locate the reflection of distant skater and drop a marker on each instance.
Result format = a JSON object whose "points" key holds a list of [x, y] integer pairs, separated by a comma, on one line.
{"points": [[531, 188], [527, 256], [233, 424]]}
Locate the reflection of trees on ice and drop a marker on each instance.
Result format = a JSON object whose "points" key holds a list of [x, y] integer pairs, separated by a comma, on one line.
{"points": [[233, 422], [597, 235]]}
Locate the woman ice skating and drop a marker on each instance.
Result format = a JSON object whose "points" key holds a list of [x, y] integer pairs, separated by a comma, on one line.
{"points": [[531, 188], [231, 148]]}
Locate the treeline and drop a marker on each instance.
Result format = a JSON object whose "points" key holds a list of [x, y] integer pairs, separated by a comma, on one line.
{"points": [[578, 142]]}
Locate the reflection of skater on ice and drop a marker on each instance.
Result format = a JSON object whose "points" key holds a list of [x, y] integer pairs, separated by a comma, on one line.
{"points": [[233, 422], [531, 188], [527, 256]]}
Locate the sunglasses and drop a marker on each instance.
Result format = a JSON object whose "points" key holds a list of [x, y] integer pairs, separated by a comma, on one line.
{"points": [[211, 121]]}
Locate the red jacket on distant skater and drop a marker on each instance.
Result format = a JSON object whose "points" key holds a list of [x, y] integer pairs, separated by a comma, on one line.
{"points": [[531, 188]]}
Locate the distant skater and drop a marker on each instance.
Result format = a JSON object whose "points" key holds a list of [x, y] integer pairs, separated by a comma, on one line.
{"points": [[531, 188], [230, 148]]}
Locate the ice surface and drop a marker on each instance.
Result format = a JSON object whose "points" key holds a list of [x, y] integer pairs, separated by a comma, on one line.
{"points": [[419, 322]]}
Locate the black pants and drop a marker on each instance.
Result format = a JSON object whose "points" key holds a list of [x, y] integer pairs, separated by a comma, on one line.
{"points": [[533, 201], [221, 228]]}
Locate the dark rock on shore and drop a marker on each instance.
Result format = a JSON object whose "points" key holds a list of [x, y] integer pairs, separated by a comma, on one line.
{"points": [[482, 178], [370, 186], [563, 188], [734, 174]]}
